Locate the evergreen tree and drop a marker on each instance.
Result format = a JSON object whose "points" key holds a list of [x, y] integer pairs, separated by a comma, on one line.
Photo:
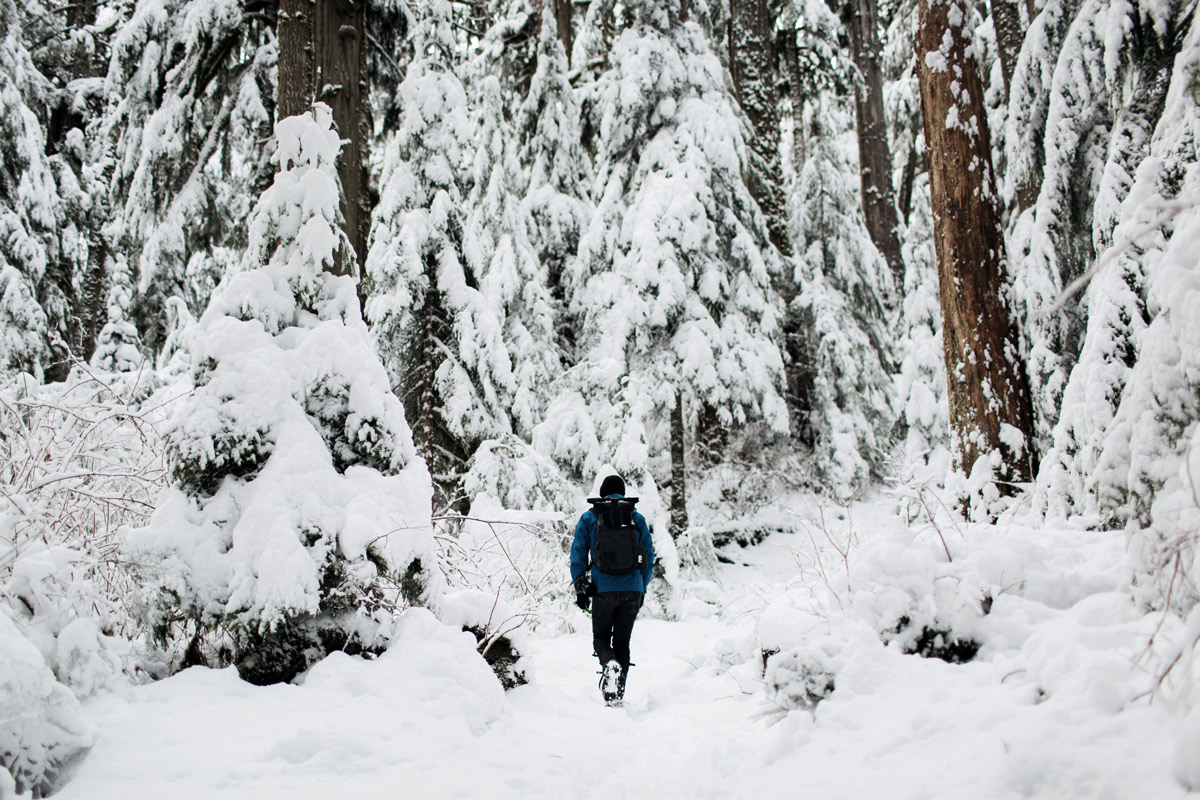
{"points": [[842, 277], [557, 208], [990, 414], [1106, 95], [191, 88], [1128, 423], [677, 306], [501, 232], [298, 519], [439, 335], [29, 207]]}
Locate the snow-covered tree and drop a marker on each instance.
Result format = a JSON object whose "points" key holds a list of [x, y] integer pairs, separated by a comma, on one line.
{"points": [[29, 208], [506, 229], [991, 419], [298, 519], [1085, 128], [842, 278], [557, 207], [439, 335], [192, 91], [677, 305], [1125, 444]]}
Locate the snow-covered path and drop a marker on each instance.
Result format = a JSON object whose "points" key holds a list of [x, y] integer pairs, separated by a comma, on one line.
{"points": [[358, 727], [1046, 711]]}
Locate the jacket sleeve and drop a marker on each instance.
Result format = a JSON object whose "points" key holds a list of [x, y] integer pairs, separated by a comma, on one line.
{"points": [[581, 547], [646, 541]]}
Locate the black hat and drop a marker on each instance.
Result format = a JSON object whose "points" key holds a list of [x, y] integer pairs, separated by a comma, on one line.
{"points": [[612, 485]]}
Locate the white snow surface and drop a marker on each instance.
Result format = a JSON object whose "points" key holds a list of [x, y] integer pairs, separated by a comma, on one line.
{"points": [[1060, 702]]}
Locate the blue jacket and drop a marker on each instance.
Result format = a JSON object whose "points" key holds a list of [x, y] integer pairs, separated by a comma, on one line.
{"points": [[581, 556]]}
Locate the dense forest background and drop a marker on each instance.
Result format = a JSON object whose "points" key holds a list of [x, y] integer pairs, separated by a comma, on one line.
{"points": [[454, 259]]}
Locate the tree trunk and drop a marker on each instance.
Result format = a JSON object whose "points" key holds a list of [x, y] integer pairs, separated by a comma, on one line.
{"points": [[988, 388], [789, 57], [752, 65], [297, 63], [679, 515], [321, 55], [562, 15], [860, 18], [1006, 19], [906, 182]]}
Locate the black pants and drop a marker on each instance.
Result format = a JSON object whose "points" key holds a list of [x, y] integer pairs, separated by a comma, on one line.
{"points": [[613, 614]]}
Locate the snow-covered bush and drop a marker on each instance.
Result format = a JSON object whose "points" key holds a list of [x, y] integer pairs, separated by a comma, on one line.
{"points": [[298, 520], [500, 632], [44, 731], [904, 584], [77, 461], [799, 678]]}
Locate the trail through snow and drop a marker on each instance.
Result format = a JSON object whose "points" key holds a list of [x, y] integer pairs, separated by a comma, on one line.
{"points": [[428, 720]]}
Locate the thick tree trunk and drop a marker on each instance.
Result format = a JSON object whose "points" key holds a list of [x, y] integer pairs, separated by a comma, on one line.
{"points": [[860, 18], [1006, 19], [297, 58], [988, 390], [679, 515], [752, 65], [562, 16], [321, 55]]}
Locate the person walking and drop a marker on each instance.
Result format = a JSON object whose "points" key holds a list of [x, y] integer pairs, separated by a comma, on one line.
{"points": [[612, 562]]}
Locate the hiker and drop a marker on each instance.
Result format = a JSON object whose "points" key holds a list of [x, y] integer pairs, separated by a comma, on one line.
{"points": [[612, 561]]}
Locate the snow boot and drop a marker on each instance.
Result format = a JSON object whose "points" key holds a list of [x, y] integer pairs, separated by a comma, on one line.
{"points": [[611, 683]]}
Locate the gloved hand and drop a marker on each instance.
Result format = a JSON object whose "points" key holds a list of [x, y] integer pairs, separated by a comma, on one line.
{"points": [[584, 589]]}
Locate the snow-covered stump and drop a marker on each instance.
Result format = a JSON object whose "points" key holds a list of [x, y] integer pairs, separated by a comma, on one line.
{"points": [[298, 520]]}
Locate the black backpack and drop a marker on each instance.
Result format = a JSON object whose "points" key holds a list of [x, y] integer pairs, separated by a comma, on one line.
{"points": [[616, 550]]}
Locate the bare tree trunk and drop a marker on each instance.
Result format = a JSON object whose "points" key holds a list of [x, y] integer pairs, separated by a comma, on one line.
{"points": [[321, 54], [860, 18], [679, 515], [1006, 19], [562, 15], [988, 387], [297, 59], [752, 65], [906, 182]]}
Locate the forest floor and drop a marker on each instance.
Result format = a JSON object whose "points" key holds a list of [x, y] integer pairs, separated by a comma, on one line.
{"points": [[1049, 709]]}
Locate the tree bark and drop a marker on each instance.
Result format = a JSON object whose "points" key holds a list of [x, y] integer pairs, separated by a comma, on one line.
{"points": [[321, 55], [988, 387], [679, 515], [562, 16], [860, 18], [752, 65], [1006, 19]]}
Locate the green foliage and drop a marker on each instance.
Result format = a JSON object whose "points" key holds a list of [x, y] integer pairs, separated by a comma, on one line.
{"points": [[201, 467]]}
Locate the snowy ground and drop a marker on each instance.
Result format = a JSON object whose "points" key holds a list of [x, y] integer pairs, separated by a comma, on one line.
{"points": [[1049, 709]]}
